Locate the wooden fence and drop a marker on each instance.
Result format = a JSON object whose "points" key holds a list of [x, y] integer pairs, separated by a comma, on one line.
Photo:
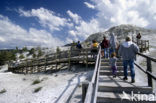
{"points": [[143, 44], [54, 61], [91, 93], [148, 70]]}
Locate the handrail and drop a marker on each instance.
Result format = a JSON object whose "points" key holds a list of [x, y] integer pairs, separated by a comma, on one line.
{"points": [[149, 69], [90, 92], [153, 59], [51, 57], [97, 81], [96, 66], [146, 72]]}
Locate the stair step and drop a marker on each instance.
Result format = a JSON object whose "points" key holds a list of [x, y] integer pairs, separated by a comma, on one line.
{"points": [[110, 84], [108, 64], [107, 60], [109, 72], [109, 68], [111, 97]]}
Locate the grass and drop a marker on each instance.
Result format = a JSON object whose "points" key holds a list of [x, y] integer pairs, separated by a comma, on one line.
{"points": [[37, 81], [37, 89], [2, 91]]}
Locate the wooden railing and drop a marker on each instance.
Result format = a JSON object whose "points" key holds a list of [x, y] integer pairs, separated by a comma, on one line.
{"points": [[143, 44], [92, 87], [148, 71], [69, 56], [91, 94]]}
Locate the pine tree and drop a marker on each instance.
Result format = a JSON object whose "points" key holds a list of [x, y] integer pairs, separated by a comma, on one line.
{"points": [[32, 51], [40, 53], [21, 56]]}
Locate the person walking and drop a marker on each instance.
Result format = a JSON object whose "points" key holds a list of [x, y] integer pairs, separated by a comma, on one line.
{"points": [[105, 47], [128, 51], [78, 45], [113, 43], [94, 48], [112, 62], [138, 37]]}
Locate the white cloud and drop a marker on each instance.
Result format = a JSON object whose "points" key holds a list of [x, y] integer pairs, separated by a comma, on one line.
{"points": [[76, 18], [89, 5], [72, 33], [115, 12], [108, 13], [47, 18], [82, 29], [12, 35], [87, 28]]}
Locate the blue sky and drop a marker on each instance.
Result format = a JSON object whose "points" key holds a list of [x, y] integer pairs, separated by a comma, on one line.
{"points": [[52, 23]]}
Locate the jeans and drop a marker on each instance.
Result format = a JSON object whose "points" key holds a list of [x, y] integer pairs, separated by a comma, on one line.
{"points": [[114, 69], [106, 52], [131, 65], [112, 50]]}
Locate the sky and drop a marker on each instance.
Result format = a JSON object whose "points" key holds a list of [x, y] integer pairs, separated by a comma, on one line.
{"points": [[52, 23]]}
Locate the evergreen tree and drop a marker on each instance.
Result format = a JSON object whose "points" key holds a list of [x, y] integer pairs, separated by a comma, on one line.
{"points": [[40, 53], [24, 49], [21, 56], [58, 49], [7, 56], [34, 55], [32, 51]]}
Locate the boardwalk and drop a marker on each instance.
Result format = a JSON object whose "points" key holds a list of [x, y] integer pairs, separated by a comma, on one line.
{"points": [[102, 88], [55, 61], [105, 89]]}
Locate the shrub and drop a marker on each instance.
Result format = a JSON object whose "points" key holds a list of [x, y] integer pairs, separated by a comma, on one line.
{"points": [[37, 81], [2, 91], [21, 56], [37, 89]]}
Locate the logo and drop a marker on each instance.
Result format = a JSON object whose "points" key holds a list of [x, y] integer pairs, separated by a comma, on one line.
{"points": [[138, 96]]}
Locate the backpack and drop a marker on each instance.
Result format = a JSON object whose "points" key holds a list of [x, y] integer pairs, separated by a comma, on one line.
{"points": [[95, 45], [79, 46]]}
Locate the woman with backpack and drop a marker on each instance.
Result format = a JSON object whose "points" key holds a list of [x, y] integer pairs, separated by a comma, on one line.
{"points": [[105, 48], [94, 48]]}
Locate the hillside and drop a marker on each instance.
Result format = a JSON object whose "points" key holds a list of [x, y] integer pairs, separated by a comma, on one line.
{"points": [[121, 32]]}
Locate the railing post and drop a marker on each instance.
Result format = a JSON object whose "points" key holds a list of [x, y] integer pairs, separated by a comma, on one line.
{"points": [[69, 58], [45, 63], [148, 45], [149, 68], [145, 45], [56, 59], [26, 66], [38, 68], [86, 58], [84, 90], [141, 50]]}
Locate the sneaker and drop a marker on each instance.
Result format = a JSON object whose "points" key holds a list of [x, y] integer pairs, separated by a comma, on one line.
{"points": [[133, 81], [114, 76], [125, 78]]}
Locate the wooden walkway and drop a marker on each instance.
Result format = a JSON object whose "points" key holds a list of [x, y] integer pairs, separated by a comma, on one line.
{"points": [[143, 44], [103, 88], [62, 59], [55, 61]]}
